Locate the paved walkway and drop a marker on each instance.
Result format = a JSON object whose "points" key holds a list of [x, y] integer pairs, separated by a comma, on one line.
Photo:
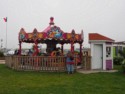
{"points": [[2, 61], [95, 71]]}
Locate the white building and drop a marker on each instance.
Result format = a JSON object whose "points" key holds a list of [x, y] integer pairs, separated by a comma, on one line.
{"points": [[101, 51]]}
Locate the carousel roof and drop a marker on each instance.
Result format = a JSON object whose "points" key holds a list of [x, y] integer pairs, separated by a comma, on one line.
{"points": [[51, 33]]}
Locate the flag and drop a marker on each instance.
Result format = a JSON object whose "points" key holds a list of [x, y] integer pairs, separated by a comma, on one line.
{"points": [[5, 19]]}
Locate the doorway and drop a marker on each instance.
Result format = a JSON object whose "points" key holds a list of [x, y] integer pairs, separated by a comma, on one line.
{"points": [[97, 62]]}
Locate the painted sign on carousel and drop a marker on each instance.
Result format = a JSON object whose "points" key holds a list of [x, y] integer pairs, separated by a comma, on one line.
{"points": [[54, 32]]}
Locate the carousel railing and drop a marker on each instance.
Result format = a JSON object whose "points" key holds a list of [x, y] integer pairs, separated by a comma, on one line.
{"points": [[40, 63], [86, 62], [44, 63]]}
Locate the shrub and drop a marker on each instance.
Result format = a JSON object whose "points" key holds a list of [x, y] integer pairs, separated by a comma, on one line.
{"points": [[1, 54], [123, 65], [122, 54], [117, 60]]}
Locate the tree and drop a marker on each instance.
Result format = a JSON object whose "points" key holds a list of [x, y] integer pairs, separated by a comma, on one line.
{"points": [[1, 54], [122, 54]]}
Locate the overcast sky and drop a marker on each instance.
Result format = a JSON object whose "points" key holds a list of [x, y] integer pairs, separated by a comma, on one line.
{"points": [[106, 17]]}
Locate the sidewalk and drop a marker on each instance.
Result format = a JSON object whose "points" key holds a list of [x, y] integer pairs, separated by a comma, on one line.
{"points": [[95, 71], [2, 61]]}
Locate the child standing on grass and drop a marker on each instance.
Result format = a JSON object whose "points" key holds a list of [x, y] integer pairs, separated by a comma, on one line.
{"points": [[70, 62]]}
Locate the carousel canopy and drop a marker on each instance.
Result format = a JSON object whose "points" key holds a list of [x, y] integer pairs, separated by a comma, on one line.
{"points": [[51, 33]]}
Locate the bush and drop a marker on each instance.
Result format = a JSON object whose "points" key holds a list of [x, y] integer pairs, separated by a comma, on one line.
{"points": [[1, 54], [117, 60], [123, 65], [123, 68]]}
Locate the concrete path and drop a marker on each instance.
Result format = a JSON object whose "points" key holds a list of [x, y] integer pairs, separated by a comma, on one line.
{"points": [[95, 71], [2, 61]]}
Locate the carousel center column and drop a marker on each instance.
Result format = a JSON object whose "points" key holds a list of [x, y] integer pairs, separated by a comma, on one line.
{"points": [[62, 47], [20, 48]]}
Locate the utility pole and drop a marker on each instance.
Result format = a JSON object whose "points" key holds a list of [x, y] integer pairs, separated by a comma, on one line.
{"points": [[1, 44]]}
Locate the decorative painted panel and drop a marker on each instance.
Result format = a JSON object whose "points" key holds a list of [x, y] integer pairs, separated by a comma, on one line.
{"points": [[54, 32], [40, 35], [108, 64], [30, 35], [68, 35]]}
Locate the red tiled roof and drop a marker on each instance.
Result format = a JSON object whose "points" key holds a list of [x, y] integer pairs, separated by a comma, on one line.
{"points": [[96, 36]]}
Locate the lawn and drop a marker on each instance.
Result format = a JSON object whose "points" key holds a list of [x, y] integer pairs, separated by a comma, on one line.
{"points": [[15, 82]]}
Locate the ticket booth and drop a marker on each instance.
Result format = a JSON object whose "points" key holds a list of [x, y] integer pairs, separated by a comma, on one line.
{"points": [[101, 51]]}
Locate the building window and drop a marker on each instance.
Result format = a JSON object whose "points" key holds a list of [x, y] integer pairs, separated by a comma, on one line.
{"points": [[108, 51]]}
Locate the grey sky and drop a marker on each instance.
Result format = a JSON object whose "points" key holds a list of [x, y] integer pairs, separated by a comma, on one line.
{"points": [[106, 17]]}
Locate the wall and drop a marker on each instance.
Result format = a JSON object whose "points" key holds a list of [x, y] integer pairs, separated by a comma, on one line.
{"points": [[103, 53], [109, 57]]}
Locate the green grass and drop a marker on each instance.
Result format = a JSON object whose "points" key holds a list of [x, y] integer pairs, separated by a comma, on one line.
{"points": [[15, 82], [118, 67]]}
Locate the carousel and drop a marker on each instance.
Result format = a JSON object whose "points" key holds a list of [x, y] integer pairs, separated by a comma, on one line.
{"points": [[51, 36]]}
